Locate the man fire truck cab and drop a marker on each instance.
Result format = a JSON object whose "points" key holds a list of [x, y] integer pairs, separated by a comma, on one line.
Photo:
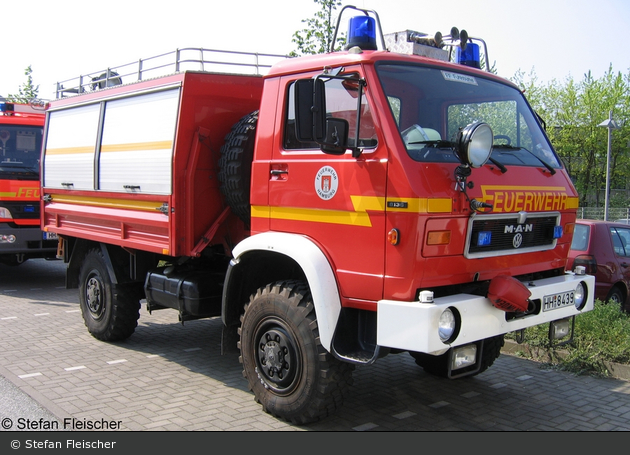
{"points": [[343, 207], [21, 129]]}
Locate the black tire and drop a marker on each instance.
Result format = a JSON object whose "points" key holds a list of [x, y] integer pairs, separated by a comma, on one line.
{"points": [[616, 296], [235, 166], [109, 315], [290, 373], [438, 365]]}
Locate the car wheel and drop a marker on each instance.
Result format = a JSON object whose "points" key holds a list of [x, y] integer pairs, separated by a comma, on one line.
{"points": [[616, 296]]}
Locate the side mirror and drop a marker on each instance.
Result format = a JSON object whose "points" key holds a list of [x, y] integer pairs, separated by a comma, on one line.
{"points": [[310, 109], [311, 123], [336, 141]]}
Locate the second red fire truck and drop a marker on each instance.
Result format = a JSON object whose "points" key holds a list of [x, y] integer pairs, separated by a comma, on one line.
{"points": [[21, 131]]}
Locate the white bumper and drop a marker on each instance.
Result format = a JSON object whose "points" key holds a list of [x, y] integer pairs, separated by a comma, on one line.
{"points": [[413, 325]]}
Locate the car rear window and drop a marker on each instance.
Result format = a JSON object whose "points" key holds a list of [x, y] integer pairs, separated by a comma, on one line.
{"points": [[580, 237]]}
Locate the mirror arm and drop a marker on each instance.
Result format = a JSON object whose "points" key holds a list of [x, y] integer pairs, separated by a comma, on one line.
{"points": [[356, 150]]}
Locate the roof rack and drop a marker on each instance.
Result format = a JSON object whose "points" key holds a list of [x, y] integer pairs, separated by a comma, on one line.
{"points": [[189, 58]]}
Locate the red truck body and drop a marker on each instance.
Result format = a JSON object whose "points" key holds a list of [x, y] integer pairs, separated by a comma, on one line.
{"points": [[341, 208], [21, 128]]}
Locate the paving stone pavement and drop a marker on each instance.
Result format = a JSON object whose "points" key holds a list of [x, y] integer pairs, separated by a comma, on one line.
{"points": [[172, 377]]}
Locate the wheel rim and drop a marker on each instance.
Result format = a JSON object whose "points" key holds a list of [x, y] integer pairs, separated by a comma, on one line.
{"points": [[94, 297], [277, 361]]}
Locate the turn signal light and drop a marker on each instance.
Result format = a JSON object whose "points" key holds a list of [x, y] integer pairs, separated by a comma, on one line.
{"points": [[393, 237], [439, 238]]}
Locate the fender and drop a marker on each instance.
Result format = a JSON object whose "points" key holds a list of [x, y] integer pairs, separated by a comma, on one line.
{"points": [[318, 271]]}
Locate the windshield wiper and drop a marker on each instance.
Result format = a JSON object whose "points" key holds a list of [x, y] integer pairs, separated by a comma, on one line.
{"points": [[437, 144], [499, 165], [512, 147]]}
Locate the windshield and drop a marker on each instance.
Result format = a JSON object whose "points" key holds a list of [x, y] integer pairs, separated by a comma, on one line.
{"points": [[20, 148], [431, 105]]}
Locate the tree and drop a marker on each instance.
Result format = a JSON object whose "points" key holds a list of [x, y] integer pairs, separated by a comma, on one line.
{"points": [[318, 36], [26, 91], [573, 110]]}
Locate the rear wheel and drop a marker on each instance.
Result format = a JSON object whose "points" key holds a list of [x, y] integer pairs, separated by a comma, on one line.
{"points": [[290, 373], [109, 315], [438, 365]]}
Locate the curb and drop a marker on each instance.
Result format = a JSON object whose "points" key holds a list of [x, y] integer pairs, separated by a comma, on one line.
{"points": [[616, 370]]}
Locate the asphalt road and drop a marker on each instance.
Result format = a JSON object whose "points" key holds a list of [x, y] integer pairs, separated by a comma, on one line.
{"points": [[171, 377]]}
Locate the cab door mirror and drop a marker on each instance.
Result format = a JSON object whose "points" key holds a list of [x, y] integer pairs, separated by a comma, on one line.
{"points": [[336, 141], [310, 109]]}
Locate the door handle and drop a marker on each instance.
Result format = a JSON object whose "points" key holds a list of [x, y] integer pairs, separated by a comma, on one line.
{"points": [[279, 171]]}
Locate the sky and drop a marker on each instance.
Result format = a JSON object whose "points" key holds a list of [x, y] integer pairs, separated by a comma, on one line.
{"points": [[61, 39]]}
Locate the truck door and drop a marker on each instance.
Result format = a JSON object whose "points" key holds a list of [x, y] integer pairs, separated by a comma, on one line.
{"points": [[337, 201]]}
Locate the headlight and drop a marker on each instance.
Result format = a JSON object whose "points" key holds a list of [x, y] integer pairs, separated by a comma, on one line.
{"points": [[580, 295], [474, 144], [448, 325], [4, 213], [10, 238]]}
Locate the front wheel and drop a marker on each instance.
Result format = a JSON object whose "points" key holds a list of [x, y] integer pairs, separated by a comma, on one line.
{"points": [[109, 315], [290, 373], [616, 296]]}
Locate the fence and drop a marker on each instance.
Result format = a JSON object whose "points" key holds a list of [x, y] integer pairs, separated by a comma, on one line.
{"points": [[597, 213]]}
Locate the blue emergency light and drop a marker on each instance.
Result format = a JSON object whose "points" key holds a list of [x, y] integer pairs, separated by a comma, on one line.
{"points": [[6, 107], [484, 238], [362, 33], [469, 56]]}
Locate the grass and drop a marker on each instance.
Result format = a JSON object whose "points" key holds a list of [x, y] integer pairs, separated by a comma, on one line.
{"points": [[601, 335]]}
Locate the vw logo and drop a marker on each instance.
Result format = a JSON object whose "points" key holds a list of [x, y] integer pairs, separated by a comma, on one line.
{"points": [[517, 240]]}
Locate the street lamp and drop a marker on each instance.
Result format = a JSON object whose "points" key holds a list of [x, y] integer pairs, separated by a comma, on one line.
{"points": [[611, 125]]}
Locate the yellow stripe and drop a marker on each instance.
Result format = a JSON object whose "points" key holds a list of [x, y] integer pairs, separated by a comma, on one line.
{"points": [[8, 194], [137, 146], [360, 216], [130, 147], [107, 202], [573, 202], [422, 205], [320, 216], [69, 150], [365, 203]]}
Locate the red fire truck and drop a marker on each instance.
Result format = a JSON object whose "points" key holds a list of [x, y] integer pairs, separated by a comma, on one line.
{"points": [[340, 208], [21, 128]]}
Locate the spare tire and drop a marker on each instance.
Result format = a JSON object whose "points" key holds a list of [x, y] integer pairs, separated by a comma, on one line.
{"points": [[235, 166]]}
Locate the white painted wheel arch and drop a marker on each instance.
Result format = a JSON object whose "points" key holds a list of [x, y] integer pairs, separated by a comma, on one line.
{"points": [[316, 267]]}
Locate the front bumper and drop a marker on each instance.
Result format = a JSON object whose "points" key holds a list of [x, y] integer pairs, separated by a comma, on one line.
{"points": [[412, 326], [28, 240]]}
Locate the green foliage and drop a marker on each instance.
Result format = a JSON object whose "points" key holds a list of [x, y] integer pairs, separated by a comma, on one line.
{"points": [[26, 91], [317, 37], [601, 335], [573, 111]]}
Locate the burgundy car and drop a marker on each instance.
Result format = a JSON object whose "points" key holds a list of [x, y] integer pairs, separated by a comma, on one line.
{"points": [[603, 247]]}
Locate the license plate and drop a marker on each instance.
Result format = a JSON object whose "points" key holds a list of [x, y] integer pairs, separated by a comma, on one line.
{"points": [[555, 301], [50, 236]]}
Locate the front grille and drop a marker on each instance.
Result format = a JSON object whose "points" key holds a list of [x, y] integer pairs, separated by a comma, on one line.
{"points": [[498, 235]]}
